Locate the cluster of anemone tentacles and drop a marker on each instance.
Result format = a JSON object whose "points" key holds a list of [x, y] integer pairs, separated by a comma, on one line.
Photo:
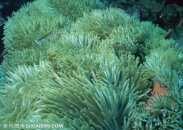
{"points": [[88, 67]]}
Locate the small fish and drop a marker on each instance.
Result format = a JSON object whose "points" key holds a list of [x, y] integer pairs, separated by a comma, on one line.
{"points": [[168, 34], [44, 36], [5, 52], [180, 23], [157, 93], [159, 89], [161, 15]]}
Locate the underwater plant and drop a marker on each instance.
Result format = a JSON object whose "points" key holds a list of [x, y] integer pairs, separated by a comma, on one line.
{"points": [[103, 22], [74, 9], [23, 88], [24, 29]]}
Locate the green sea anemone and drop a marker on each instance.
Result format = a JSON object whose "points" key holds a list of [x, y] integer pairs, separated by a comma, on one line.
{"points": [[88, 67]]}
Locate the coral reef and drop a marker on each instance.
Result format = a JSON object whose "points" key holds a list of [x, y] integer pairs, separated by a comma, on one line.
{"points": [[91, 68], [153, 5]]}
